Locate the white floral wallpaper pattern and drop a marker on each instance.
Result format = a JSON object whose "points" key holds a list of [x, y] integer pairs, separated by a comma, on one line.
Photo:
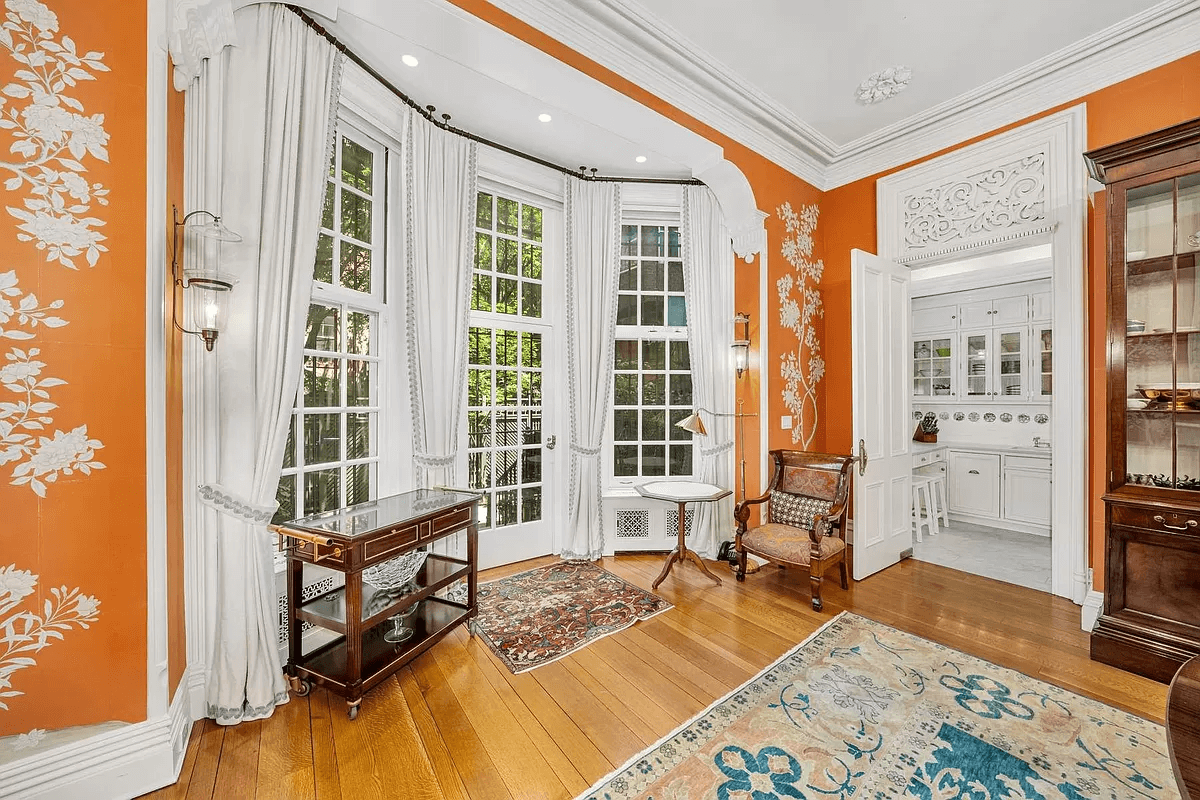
{"points": [[799, 304], [51, 136]]}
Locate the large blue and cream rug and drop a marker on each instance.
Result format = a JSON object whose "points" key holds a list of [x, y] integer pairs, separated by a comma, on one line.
{"points": [[862, 711]]}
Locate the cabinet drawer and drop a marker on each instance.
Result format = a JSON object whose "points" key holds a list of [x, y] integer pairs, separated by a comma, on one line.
{"points": [[1156, 519], [1027, 462], [390, 544], [920, 459], [452, 520], [975, 484]]}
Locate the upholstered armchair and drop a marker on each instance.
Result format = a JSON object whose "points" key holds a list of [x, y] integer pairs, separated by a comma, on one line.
{"points": [[804, 517]]}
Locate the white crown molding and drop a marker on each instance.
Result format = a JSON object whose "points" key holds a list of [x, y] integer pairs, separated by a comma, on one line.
{"points": [[647, 51], [642, 48]]}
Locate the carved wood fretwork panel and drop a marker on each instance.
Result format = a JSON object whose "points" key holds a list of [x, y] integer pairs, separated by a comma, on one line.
{"points": [[977, 206]]}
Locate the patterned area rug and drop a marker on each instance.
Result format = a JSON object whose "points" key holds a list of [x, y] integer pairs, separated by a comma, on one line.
{"points": [[861, 710], [540, 615]]}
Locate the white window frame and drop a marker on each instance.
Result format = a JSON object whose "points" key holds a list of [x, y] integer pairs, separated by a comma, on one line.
{"points": [[665, 333]]}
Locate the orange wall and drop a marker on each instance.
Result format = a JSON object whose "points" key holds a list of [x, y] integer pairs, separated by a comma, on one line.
{"points": [[772, 186], [90, 530], [1147, 102]]}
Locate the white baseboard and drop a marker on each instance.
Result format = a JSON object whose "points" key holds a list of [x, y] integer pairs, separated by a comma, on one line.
{"points": [[195, 687], [1093, 606], [122, 763]]}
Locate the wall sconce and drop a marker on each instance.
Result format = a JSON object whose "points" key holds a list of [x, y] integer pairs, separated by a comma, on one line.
{"points": [[210, 289], [741, 342]]}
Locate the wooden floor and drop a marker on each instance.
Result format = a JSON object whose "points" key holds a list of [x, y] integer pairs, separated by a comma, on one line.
{"points": [[456, 724]]}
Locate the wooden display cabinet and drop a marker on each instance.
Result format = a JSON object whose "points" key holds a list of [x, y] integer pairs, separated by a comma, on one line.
{"points": [[1151, 619], [360, 616]]}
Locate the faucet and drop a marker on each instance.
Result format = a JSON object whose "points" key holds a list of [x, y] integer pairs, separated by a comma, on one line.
{"points": [[1037, 442]]}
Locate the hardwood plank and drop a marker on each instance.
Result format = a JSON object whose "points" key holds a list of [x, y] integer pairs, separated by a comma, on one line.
{"points": [[208, 759], [285, 754], [237, 775], [431, 737], [179, 789], [637, 710], [607, 731], [479, 775], [327, 785]]}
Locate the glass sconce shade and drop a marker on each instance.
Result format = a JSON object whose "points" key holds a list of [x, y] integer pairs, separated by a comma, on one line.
{"points": [[209, 302], [741, 342]]}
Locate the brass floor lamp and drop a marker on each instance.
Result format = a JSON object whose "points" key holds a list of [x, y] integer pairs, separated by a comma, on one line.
{"points": [[695, 424]]}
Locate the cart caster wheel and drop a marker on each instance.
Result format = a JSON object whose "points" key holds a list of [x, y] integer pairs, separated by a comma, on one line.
{"points": [[302, 688], [352, 712]]}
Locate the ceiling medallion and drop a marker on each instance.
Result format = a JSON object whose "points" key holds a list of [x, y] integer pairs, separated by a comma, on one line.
{"points": [[883, 84]]}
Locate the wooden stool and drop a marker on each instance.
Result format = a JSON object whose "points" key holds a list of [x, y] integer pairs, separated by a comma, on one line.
{"points": [[937, 492], [923, 510]]}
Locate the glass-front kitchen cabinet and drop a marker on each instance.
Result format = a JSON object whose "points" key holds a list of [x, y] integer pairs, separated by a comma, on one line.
{"points": [[1151, 619]]}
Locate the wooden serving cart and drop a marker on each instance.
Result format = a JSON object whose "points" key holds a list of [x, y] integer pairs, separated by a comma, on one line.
{"points": [[352, 539]]}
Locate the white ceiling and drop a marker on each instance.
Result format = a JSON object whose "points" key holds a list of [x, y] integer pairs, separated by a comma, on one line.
{"points": [[776, 75]]}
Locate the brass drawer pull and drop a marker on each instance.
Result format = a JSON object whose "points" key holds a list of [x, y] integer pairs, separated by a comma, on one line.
{"points": [[316, 540], [1191, 523]]}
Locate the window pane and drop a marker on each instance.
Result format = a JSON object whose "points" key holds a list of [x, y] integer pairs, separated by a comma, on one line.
{"points": [[356, 165], [625, 460], [625, 425], [679, 356], [483, 211], [327, 207], [531, 223], [479, 346], [626, 354], [531, 300], [676, 311], [681, 389], [654, 389], [627, 309], [506, 467], [322, 438], [359, 478], [506, 508], [652, 276], [681, 459], [289, 449], [654, 459], [479, 429], [479, 387], [506, 256], [531, 428], [652, 240], [356, 216], [506, 296], [654, 355], [675, 276], [531, 503], [322, 383], [628, 279], [485, 512], [358, 436], [483, 252], [531, 350], [322, 491], [531, 261], [506, 387], [625, 390], [673, 249], [629, 240], [675, 432], [531, 388], [285, 495], [654, 426], [506, 429], [358, 383], [479, 470], [358, 333], [356, 267], [481, 293], [506, 348], [323, 269], [323, 328], [506, 215], [531, 465], [652, 310]]}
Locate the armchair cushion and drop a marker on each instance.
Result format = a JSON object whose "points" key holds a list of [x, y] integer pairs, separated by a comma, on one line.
{"points": [[787, 543], [797, 510]]}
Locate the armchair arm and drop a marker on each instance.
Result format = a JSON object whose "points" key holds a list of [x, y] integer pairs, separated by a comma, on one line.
{"points": [[832, 517], [741, 512]]}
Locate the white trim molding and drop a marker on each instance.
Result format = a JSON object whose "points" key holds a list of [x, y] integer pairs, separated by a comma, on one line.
{"points": [[1050, 204], [644, 49], [1093, 607]]}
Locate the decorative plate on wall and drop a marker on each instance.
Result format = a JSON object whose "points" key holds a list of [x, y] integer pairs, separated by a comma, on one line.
{"points": [[1024, 418], [989, 417], [944, 415], [1041, 419], [959, 416], [973, 416], [1006, 417]]}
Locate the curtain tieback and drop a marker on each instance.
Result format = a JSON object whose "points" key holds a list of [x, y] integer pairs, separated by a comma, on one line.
{"points": [[431, 461], [585, 451], [225, 501], [716, 450]]}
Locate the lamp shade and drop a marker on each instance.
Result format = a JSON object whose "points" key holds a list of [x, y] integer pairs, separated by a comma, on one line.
{"points": [[693, 423], [208, 294]]}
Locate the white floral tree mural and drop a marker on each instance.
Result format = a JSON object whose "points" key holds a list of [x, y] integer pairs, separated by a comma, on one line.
{"points": [[51, 136], [799, 304]]}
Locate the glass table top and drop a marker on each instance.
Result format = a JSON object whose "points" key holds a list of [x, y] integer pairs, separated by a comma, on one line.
{"points": [[364, 518]]}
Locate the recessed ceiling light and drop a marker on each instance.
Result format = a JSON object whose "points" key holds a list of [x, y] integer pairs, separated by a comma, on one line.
{"points": [[640, 159], [544, 117], [409, 60]]}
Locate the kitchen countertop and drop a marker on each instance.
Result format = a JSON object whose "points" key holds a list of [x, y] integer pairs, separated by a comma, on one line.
{"points": [[975, 447]]}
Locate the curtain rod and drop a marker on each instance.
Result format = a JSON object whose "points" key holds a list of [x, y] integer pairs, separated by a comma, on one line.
{"points": [[444, 123]]}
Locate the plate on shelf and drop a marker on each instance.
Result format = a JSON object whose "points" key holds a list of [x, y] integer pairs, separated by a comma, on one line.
{"points": [[1161, 330]]}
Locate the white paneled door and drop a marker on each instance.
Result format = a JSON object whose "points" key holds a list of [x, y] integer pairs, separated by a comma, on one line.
{"points": [[883, 427]]}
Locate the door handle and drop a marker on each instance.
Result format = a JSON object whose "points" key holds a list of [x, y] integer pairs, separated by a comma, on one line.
{"points": [[972, 472], [1191, 523], [862, 458], [551, 441]]}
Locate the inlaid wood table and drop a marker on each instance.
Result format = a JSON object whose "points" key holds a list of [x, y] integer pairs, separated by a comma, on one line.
{"points": [[683, 492]]}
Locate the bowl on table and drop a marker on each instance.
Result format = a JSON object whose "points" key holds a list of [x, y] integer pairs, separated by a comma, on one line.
{"points": [[1135, 326], [1177, 395]]}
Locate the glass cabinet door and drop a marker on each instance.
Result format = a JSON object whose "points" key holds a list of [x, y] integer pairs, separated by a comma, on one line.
{"points": [[1011, 357], [1162, 334], [1042, 374], [933, 360], [977, 365]]}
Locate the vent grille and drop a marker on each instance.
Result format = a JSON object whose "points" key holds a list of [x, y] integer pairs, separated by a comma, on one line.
{"points": [[633, 524], [673, 522], [308, 593]]}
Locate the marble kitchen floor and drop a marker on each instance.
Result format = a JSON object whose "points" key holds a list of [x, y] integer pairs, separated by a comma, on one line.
{"points": [[1009, 556]]}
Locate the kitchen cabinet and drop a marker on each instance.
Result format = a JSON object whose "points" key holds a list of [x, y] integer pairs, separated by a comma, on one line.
{"points": [[1000, 311], [1027, 491], [974, 484], [1041, 309], [934, 319], [996, 365], [1151, 618], [1000, 489], [1042, 375], [934, 367]]}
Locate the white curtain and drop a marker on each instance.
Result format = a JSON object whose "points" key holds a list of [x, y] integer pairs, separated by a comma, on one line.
{"points": [[273, 138], [593, 225], [440, 185], [708, 288]]}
